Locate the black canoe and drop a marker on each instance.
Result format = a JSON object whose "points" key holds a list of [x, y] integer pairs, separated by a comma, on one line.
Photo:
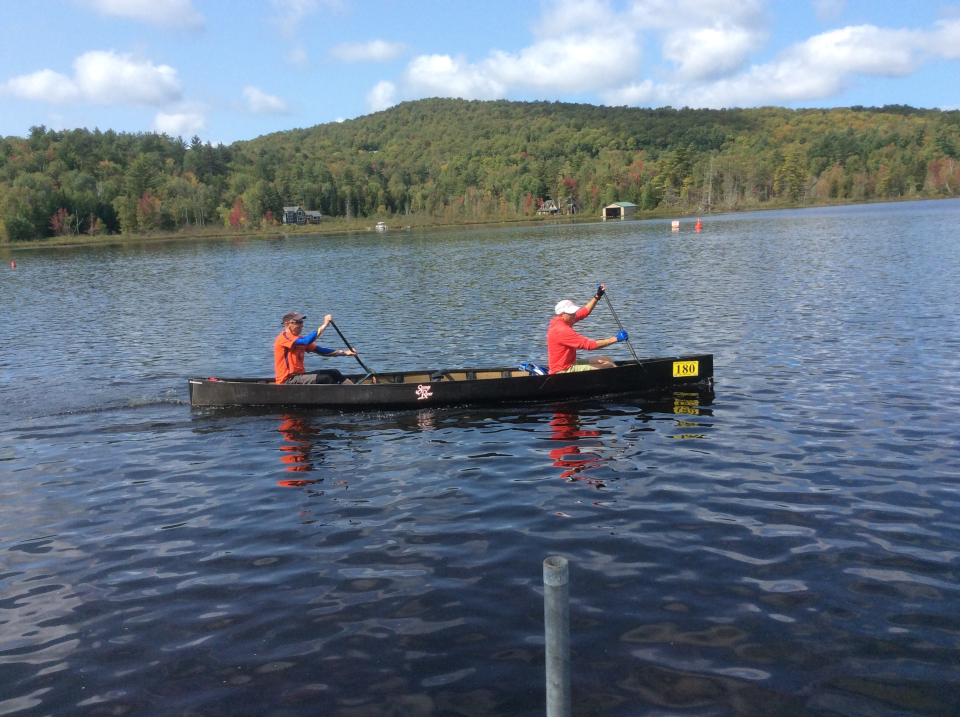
{"points": [[423, 389]]}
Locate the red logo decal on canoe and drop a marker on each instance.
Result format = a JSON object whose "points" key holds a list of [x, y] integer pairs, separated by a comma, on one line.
{"points": [[423, 392]]}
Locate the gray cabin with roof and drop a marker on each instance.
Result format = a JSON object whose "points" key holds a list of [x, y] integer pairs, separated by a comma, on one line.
{"points": [[294, 215], [549, 207]]}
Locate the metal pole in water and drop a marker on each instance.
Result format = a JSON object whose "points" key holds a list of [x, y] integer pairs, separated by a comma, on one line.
{"points": [[556, 617]]}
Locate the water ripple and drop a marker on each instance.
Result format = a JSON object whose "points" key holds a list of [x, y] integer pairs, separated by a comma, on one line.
{"points": [[785, 546]]}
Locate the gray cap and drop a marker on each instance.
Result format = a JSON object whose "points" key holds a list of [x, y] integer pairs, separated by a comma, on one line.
{"points": [[292, 316]]}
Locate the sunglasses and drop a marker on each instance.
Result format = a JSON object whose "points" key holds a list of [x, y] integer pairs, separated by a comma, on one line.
{"points": [[295, 322]]}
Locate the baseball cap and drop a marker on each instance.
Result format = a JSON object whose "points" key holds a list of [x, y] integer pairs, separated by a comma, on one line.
{"points": [[566, 307], [292, 316]]}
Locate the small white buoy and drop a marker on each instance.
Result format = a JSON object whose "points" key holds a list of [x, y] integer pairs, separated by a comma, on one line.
{"points": [[675, 225]]}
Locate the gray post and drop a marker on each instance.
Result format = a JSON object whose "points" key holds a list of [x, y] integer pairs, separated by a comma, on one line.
{"points": [[556, 615]]}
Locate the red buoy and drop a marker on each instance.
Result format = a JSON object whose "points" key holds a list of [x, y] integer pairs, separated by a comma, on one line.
{"points": [[13, 265], [699, 225]]}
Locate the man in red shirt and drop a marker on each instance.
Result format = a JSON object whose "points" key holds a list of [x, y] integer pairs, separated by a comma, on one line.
{"points": [[563, 341], [289, 348]]}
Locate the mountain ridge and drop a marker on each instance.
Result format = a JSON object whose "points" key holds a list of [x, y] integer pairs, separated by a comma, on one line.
{"points": [[465, 160]]}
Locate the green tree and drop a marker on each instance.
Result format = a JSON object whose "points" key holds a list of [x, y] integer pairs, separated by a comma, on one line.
{"points": [[19, 229], [649, 198], [790, 178], [140, 176]]}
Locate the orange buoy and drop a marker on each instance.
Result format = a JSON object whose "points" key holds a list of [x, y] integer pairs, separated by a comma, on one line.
{"points": [[699, 225]]}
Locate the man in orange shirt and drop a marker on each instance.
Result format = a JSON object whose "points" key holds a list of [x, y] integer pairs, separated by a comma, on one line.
{"points": [[289, 348], [563, 341]]}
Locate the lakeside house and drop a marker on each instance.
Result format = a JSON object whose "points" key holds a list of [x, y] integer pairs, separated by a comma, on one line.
{"points": [[619, 210], [294, 215], [300, 216], [549, 207], [553, 207]]}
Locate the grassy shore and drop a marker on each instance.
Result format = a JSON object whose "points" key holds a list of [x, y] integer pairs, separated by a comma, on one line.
{"points": [[340, 225]]}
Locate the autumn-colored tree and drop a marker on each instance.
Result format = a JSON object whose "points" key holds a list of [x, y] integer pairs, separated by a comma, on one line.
{"points": [[148, 212], [60, 223], [96, 226], [528, 203], [238, 217]]}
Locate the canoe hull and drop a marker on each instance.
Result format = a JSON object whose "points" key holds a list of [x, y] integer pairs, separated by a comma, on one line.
{"points": [[627, 377]]}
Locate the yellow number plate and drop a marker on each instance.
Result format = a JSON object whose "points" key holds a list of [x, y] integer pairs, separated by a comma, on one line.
{"points": [[684, 369]]}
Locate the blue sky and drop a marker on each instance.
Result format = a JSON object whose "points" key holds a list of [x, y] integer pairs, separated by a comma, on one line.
{"points": [[236, 70]]}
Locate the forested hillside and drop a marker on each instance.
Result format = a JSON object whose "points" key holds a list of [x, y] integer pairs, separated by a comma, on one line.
{"points": [[458, 161]]}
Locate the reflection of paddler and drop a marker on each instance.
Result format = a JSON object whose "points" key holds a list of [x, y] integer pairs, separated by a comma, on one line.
{"points": [[295, 430], [566, 427]]}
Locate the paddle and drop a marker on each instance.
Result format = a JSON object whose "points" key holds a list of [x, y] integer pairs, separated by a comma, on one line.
{"points": [[606, 295], [369, 371]]}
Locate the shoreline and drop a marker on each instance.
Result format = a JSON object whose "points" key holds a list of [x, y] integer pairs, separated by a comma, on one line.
{"points": [[104, 240]]}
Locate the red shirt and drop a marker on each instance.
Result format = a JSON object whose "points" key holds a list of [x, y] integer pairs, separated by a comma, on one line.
{"points": [[287, 358], [563, 342]]}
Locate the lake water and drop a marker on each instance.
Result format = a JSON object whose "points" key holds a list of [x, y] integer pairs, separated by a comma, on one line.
{"points": [[788, 546]]}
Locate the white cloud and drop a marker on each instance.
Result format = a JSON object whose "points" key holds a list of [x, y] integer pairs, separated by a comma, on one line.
{"points": [[820, 67], [452, 77], [260, 103], [183, 122], [573, 62], [165, 13], [109, 78], [865, 49], [42, 86], [382, 96], [597, 46], [708, 52], [945, 40], [574, 51], [373, 51], [706, 39], [815, 69], [101, 78]]}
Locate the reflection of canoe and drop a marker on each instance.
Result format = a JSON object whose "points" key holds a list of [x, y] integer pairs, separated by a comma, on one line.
{"points": [[422, 389]]}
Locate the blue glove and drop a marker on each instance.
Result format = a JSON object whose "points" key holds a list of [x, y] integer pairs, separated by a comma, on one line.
{"points": [[622, 336]]}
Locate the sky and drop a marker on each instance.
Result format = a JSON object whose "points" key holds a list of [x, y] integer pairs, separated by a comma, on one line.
{"points": [[235, 70]]}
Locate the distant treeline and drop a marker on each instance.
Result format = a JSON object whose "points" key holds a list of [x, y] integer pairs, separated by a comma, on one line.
{"points": [[458, 161]]}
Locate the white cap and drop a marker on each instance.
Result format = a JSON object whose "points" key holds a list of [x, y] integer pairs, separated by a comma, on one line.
{"points": [[566, 307]]}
